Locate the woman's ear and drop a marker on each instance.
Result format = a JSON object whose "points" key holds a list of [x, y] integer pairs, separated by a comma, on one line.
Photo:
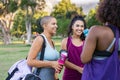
{"points": [[44, 25]]}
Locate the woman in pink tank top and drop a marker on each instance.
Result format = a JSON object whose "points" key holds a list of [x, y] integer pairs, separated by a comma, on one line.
{"points": [[74, 44]]}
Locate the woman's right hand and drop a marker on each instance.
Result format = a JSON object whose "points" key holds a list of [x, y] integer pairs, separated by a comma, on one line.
{"points": [[80, 70], [56, 66]]}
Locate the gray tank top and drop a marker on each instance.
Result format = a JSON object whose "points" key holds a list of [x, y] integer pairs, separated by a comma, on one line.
{"points": [[51, 54]]}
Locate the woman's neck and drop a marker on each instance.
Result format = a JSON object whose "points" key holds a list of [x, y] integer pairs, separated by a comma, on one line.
{"points": [[48, 36], [75, 37]]}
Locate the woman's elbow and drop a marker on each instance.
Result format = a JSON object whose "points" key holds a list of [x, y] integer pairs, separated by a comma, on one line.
{"points": [[84, 59], [29, 62]]}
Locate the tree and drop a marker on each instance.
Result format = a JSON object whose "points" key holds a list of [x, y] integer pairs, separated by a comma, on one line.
{"points": [[91, 19], [64, 11], [30, 7], [65, 8], [7, 13], [8, 10], [19, 28], [62, 26]]}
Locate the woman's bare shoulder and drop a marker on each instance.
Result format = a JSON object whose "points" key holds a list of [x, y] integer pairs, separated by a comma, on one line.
{"points": [[65, 39], [98, 29], [38, 40], [64, 43]]}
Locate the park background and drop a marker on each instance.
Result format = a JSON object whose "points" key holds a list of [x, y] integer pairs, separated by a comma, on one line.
{"points": [[19, 24]]}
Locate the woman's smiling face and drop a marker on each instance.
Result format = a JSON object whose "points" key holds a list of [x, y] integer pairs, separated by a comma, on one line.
{"points": [[78, 27], [51, 26]]}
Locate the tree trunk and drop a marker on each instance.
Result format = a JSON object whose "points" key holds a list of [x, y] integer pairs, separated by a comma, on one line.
{"points": [[6, 32], [6, 22], [28, 24], [28, 29]]}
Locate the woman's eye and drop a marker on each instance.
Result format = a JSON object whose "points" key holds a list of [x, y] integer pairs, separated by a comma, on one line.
{"points": [[53, 23], [77, 25], [82, 25]]}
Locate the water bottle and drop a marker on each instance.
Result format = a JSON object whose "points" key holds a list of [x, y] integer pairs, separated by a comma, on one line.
{"points": [[86, 32], [63, 56]]}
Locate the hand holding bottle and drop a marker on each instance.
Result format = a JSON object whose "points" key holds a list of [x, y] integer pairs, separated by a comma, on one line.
{"points": [[63, 56]]}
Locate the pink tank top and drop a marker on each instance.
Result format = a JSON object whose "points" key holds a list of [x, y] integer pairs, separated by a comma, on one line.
{"points": [[74, 53]]}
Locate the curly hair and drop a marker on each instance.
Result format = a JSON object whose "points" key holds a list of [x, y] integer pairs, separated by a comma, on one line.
{"points": [[109, 11]]}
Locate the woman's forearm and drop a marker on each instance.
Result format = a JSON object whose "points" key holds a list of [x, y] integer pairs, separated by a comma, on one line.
{"points": [[73, 66]]}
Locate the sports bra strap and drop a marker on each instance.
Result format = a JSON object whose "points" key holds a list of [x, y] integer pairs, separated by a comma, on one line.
{"points": [[108, 49]]}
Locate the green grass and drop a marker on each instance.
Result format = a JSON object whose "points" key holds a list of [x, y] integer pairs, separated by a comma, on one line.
{"points": [[9, 54]]}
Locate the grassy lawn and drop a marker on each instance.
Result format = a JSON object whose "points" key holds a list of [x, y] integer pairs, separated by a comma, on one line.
{"points": [[10, 54]]}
